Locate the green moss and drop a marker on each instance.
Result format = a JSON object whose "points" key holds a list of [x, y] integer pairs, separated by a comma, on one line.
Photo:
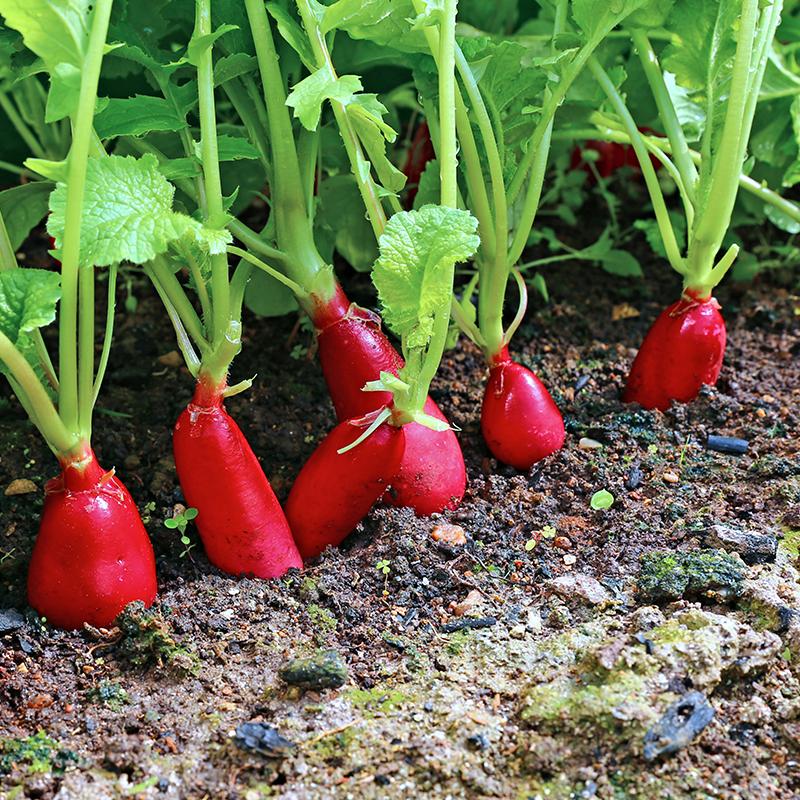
{"points": [[147, 641], [791, 543], [323, 621], [335, 745], [564, 704], [456, 642], [378, 699], [109, 694], [667, 576], [34, 754]]}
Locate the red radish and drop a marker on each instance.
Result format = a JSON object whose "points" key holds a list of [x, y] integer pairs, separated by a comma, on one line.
{"points": [[354, 350], [682, 351], [419, 154], [243, 528], [432, 476], [92, 555], [519, 420], [335, 491], [611, 156]]}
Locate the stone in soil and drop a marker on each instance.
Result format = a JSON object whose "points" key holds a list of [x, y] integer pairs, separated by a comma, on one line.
{"points": [[753, 547], [263, 739], [10, 620], [325, 669], [709, 574], [682, 722]]}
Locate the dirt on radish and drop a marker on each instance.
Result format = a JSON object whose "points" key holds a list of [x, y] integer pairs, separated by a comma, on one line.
{"points": [[541, 658]]}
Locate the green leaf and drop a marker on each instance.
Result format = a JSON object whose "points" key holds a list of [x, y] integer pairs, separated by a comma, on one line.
{"points": [[65, 88], [199, 44], [413, 274], [366, 113], [127, 212], [351, 232], [602, 500], [307, 97], [23, 208], [593, 17], [293, 34], [622, 263], [499, 16], [137, 116], [268, 297], [28, 299], [234, 66], [56, 30], [235, 148], [385, 22]]}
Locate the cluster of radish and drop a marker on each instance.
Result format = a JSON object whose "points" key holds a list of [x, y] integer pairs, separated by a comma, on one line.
{"points": [[392, 443]]}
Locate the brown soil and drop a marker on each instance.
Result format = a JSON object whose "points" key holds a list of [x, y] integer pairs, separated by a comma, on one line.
{"points": [[426, 713]]}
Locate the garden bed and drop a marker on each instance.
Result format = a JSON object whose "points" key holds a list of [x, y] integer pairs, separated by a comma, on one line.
{"points": [[523, 656]]}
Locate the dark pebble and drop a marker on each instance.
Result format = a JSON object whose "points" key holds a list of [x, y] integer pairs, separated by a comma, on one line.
{"points": [[753, 547], [727, 444], [634, 478], [10, 620], [382, 780], [682, 722], [468, 624], [325, 669], [581, 383], [261, 738], [478, 741]]}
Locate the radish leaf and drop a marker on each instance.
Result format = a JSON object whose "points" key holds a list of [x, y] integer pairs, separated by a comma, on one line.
{"points": [[127, 214], [413, 273]]}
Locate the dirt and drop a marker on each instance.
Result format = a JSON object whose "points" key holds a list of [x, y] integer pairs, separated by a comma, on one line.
{"points": [[522, 663]]}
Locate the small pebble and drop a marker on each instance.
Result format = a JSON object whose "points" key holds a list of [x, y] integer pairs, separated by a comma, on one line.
{"points": [[581, 383], [570, 559], [517, 632], [20, 486], [589, 444], [454, 535], [670, 477], [171, 359], [727, 444], [562, 542]]}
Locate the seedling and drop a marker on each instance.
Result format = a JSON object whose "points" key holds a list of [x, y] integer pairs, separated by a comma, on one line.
{"points": [[179, 522]]}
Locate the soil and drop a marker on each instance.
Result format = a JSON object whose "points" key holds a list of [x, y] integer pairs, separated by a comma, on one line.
{"points": [[527, 662]]}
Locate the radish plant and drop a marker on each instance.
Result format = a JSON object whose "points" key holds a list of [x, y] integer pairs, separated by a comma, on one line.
{"points": [[92, 555], [414, 273], [241, 523], [720, 65]]}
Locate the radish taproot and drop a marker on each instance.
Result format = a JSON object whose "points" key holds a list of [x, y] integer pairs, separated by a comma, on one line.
{"points": [[335, 491], [358, 461], [681, 353], [353, 349], [242, 526], [519, 420], [685, 347], [92, 555]]}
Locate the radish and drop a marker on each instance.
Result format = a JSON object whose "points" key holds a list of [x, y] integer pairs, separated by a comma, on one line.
{"points": [[335, 491], [419, 154], [685, 347], [353, 349], [519, 420], [92, 555], [682, 352], [241, 524], [348, 472], [504, 139]]}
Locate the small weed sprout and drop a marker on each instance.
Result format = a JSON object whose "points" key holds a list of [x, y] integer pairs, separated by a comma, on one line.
{"points": [[384, 567], [179, 523]]}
